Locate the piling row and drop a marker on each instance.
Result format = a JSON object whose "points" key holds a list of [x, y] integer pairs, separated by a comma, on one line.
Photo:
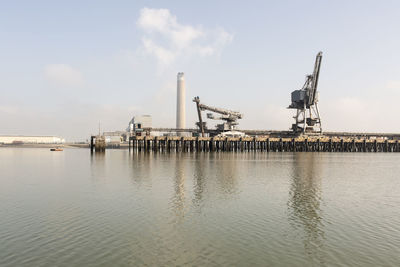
{"points": [[209, 144]]}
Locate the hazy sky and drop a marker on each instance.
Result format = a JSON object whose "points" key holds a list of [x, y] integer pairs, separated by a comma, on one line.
{"points": [[66, 65]]}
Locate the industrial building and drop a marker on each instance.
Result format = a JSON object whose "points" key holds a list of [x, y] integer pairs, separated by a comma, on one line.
{"points": [[17, 139], [139, 124], [115, 137]]}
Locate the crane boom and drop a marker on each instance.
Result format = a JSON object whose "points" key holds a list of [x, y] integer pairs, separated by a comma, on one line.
{"points": [[314, 81], [221, 111]]}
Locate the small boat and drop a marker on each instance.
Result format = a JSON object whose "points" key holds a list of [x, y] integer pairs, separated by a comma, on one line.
{"points": [[56, 149]]}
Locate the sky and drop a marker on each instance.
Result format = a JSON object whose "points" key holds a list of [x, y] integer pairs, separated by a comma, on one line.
{"points": [[65, 66]]}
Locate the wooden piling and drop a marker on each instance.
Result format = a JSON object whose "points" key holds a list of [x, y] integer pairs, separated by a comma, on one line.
{"points": [[215, 144]]}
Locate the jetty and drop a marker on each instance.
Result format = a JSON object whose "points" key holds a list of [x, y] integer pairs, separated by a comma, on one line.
{"points": [[262, 144]]}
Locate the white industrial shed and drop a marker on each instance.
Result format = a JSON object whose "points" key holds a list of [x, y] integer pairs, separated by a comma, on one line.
{"points": [[11, 139]]}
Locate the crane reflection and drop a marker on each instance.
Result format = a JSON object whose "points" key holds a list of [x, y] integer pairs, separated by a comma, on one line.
{"points": [[304, 204]]}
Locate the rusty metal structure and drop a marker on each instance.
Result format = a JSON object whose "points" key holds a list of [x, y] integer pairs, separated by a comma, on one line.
{"points": [[305, 101], [228, 116]]}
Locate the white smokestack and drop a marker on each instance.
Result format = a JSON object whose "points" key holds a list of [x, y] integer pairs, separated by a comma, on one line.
{"points": [[180, 102]]}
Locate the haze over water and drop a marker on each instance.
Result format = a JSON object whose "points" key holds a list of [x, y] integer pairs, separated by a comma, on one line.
{"points": [[199, 209]]}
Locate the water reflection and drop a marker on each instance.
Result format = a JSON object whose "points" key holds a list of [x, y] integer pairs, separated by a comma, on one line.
{"points": [[97, 157], [141, 167], [199, 179], [97, 164], [178, 199], [207, 172], [226, 171], [304, 204]]}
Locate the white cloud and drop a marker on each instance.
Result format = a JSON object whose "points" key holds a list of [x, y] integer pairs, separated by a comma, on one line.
{"points": [[62, 74], [164, 56], [166, 39]]}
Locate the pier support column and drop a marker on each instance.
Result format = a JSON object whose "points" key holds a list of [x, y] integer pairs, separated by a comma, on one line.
{"points": [[306, 145], [182, 144], [91, 144], [191, 145], [293, 144]]}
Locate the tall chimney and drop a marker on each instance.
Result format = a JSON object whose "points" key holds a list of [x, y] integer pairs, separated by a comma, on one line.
{"points": [[180, 102]]}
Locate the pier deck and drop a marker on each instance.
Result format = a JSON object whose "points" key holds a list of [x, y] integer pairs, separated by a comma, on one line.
{"points": [[267, 144]]}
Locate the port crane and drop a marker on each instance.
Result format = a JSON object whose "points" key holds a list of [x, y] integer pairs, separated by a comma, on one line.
{"points": [[228, 116], [308, 119]]}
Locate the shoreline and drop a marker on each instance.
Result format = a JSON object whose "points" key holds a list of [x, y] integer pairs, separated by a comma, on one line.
{"points": [[45, 145], [66, 145]]}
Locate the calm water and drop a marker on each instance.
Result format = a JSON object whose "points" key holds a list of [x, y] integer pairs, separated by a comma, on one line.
{"points": [[120, 209]]}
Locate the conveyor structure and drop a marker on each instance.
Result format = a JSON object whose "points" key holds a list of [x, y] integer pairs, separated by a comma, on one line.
{"points": [[228, 116]]}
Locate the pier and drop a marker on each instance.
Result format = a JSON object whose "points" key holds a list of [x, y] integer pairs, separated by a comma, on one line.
{"points": [[262, 144], [97, 143]]}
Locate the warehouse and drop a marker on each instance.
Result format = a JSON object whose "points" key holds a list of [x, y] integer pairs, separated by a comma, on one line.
{"points": [[139, 124], [18, 139]]}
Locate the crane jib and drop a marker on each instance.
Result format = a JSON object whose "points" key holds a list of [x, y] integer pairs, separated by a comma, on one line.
{"points": [[315, 77]]}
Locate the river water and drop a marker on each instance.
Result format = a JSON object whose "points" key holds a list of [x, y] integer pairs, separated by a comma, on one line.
{"points": [[120, 208]]}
